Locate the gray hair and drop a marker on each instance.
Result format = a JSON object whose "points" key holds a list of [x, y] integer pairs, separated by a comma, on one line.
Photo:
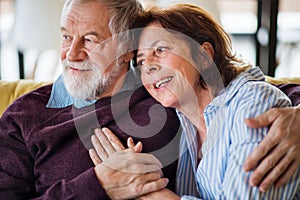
{"points": [[121, 13]]}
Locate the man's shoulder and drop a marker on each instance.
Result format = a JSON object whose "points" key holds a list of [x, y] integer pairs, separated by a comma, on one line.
{"points": [[38, 94], [33, 99]]}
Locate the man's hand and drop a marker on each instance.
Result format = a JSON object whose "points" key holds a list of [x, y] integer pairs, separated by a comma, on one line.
{"points": [[278, 154], [124, 173], [164, 194]]}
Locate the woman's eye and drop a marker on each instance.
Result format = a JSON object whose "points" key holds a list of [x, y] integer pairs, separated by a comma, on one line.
{"points": [[160, 50], [140, 63]]}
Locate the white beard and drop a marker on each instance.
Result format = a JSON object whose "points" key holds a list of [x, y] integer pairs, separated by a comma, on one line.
{"points": [[88, 87]]}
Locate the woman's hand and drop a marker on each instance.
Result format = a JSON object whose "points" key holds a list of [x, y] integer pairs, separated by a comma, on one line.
{"points": [[277, 156], [106, 143], [124, 173]]}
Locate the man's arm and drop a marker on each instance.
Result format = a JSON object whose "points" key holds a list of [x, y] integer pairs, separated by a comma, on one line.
{"points": [[280, 149], [18, 179]]}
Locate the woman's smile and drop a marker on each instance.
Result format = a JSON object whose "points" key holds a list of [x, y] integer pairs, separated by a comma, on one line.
{"points": [[163, 82]]}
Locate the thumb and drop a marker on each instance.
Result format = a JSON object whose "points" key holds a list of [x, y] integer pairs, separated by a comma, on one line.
{"points": [[262, 120]]}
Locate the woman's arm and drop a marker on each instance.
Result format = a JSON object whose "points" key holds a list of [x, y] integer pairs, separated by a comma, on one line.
{"points": [[282, 141], [280, 149], [259, 100]]}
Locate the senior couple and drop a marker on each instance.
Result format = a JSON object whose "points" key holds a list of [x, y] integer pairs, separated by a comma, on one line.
{"points": [[200, 144]]}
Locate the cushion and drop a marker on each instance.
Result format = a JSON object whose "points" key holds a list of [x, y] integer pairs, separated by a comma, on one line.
{"points": [[11, 90], [277, 81]]}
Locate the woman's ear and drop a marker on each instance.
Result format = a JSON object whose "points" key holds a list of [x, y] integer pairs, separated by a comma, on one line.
{"points": [[209, 49], [128, 56]]}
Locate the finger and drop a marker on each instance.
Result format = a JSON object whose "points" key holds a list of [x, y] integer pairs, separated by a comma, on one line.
{"points": [[140, 186], [95, 158], [146, 158], [136, 148], [261, 150], [114, 140], [139, 162], [265, 166], [287, 174], [130, 142], [145, 166], [105, 142], [135, 168], [99, 148], [262, 120], [275, 173], [148, 183], [155, 185]]}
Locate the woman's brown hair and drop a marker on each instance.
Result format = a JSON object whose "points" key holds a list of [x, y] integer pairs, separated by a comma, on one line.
{"points": [[197, 24]]}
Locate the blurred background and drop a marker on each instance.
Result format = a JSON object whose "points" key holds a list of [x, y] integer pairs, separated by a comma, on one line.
{"points": [[265, 32]]}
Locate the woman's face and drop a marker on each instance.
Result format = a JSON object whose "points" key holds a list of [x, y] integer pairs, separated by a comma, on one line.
{"points": [[167, 67]]}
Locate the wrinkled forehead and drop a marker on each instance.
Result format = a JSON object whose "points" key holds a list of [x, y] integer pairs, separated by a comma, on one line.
{"points": [[90, 11], [155, 32]]}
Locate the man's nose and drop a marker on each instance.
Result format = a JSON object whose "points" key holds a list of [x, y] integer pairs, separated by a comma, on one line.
{"points": [[76, 51]]}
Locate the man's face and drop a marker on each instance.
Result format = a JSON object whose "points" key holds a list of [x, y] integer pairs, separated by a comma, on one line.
{"points": [[88, 53]]}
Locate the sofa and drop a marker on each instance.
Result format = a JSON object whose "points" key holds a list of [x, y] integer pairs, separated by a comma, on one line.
{"points": [[11, 90]]}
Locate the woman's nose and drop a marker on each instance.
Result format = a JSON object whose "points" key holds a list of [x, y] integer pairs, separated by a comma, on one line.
{"points": [[151, 67]]}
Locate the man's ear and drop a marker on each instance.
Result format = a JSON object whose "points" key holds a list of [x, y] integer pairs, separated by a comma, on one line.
{"points": [[209, 49]]}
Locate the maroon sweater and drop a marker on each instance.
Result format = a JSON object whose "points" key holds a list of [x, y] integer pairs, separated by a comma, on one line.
{"points": [[43, 151], [292, 91]]}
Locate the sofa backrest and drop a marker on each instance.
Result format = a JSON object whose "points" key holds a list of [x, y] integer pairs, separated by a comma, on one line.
{"points": [[9, 91]]}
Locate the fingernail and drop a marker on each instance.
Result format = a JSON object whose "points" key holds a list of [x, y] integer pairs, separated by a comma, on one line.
{"points": [[278, 184], [253, 182], [104, 129], [246, 167], [97, 130], [262, 188]]}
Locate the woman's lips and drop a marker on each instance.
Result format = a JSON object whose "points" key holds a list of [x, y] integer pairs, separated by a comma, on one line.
{"points": [[163, 82]]}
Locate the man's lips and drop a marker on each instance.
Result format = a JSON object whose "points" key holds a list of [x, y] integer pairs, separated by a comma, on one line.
{"points": [[78, 70], [163, 82]]}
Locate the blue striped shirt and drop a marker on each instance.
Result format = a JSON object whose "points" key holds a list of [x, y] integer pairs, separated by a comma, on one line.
{"points": [[220, 173]]}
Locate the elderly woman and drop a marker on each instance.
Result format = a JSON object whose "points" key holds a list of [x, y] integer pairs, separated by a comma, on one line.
{"points": [[186, 63]]}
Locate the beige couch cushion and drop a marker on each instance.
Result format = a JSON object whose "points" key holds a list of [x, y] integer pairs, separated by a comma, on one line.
{"points": [[9, 91]]}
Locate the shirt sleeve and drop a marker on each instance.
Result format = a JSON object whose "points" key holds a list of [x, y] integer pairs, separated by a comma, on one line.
{"points": [[254, 99]]}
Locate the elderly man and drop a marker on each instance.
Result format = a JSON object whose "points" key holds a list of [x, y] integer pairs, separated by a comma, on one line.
{"points": [[44, 144]]}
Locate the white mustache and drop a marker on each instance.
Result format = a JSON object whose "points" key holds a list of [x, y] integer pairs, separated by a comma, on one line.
{"points": [[80, 66]]}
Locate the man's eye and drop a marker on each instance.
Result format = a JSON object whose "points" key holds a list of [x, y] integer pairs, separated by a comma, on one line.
{"points": [[160, 50], [140, 63], [65, 37], [89, 40]]}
